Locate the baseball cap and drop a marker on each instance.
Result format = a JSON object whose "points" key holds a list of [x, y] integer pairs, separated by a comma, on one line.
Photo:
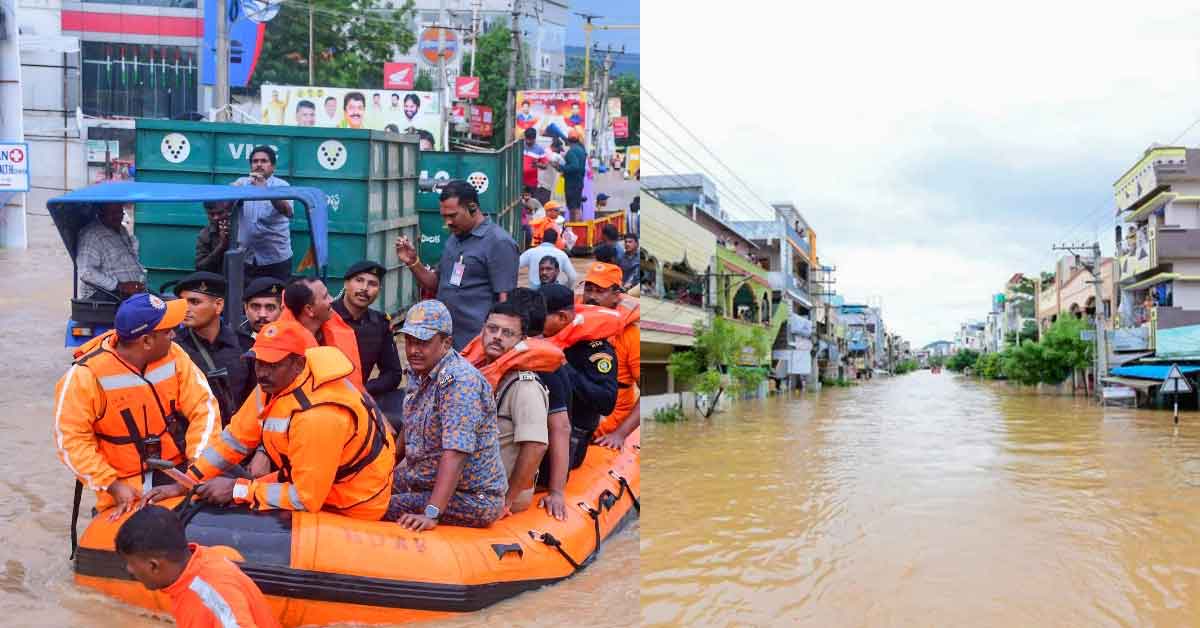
{"points": [[552, 205], [604, 275], [143, 313], [558, 297], [264, 287], [602, 197], [427, 318], [203, 282], [279, 339], [365, 266]]}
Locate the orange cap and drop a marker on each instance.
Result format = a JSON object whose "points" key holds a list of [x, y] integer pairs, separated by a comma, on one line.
{"points": [[280, 339], [574, 134], [551, 205], [604, 275]]}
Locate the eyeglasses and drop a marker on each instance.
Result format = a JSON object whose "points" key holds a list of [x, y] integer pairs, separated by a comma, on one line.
{"points": [[504, 332]]}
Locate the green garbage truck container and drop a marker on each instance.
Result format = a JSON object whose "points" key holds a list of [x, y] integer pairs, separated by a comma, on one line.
{"points": [[496, 176], [369, 178]]}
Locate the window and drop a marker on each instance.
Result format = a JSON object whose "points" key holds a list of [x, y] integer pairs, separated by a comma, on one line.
{"points": [[138, 80]]}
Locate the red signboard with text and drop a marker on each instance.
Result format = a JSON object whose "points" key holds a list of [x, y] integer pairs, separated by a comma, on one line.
{"points": [[399, 75], [620, 127], [466, 87], [481, 121]]}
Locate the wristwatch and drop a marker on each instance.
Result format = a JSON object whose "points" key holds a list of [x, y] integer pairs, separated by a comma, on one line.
{"points": [[433, 512]]}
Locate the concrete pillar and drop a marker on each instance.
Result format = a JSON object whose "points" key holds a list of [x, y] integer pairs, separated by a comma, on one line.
{"points": [[12, 205]]}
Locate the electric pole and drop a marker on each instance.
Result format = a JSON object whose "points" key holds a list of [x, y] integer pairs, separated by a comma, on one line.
{"points": [[221, 89], [312, 70], [510, 99], [587, 46], [1092, 265]]}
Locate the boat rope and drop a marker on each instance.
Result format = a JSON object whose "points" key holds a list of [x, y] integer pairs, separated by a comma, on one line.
{"points": [[548, 539], [625, 488]]}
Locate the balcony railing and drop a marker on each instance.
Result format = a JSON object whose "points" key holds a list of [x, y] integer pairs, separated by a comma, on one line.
{"points": [[801, 242]]}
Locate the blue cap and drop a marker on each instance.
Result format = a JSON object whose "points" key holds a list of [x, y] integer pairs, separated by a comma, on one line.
{"points": [[143, 313], [426, 318]]}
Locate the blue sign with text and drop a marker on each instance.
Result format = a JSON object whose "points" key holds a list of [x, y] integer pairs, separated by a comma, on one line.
{"points": [[245, 42]]}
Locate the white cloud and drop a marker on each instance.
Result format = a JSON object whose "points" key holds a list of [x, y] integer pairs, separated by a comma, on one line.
{"points": [[936, 147]]}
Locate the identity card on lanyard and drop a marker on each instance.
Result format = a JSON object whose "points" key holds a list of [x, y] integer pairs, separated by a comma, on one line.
{"points": [[457, 276]]}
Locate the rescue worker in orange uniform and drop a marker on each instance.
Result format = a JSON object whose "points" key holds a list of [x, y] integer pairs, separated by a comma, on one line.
{"points": [[307, 301], [539, 224], [303, 408], [132, 394], [602, 287], [206, 589]]}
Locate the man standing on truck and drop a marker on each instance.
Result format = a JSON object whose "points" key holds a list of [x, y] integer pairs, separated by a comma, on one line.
{"points": [[265, 226]]}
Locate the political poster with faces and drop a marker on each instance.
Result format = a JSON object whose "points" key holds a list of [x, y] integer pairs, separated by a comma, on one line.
{"points": [[554, 113], [398, 111]]}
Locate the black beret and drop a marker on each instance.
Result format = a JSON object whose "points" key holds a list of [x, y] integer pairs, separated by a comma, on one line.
{"points": [[203, 282], [264, 287], [365, 266]]}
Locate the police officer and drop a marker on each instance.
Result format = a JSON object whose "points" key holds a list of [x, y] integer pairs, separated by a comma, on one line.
{"points": [[372, 328], [262, 303], [210, 343], [591, 369]]}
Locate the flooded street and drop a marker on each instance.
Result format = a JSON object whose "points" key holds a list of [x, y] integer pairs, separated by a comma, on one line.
{"points": [[36, 585], [924, 500]]}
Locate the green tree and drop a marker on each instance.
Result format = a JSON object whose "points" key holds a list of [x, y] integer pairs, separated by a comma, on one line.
{"points": [[1025, 364], [712, 366], [964, 359], [989, 366], [492, 59], [352, 40], [628, 88]]}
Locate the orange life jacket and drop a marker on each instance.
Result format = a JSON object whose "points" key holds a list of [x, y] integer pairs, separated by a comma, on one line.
{"points": [[212, 591], [362, 482], [538, 227], [336, 333], [592, 322], [136, 406], [531, 354]]}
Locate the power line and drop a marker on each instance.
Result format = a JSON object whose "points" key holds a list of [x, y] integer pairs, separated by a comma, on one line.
{"points": [[712, 176], [684, 182], [705, 147]]}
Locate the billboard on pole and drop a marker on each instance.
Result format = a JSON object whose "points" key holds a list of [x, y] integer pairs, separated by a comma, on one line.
{"points": [[397, 111], [554, 113]]}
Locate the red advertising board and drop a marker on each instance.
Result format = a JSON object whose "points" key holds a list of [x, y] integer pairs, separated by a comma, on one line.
{"points": [[481, 121], [458, 112], [466, 87], [620, 127], [399, 75]]}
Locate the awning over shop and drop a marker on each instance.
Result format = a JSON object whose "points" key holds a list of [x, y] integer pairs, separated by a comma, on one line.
{"points": [[1151, 371], [672, 237]]}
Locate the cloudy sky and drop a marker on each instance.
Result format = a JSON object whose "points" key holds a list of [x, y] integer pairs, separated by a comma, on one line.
{"points": [[936, 147]]}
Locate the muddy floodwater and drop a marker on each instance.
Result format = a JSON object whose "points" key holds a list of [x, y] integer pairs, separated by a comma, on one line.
{"points": [[923, 500], [36, 586]]}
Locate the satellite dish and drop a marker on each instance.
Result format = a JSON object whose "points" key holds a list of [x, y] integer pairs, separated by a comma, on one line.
{"points": [[260, 10]]}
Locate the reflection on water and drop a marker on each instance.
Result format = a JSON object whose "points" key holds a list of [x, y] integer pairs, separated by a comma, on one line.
{"points": [[36, 586], [922, 500]]}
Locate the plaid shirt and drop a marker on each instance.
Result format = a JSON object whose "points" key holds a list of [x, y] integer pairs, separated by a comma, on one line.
{"points": [[106, 258]]}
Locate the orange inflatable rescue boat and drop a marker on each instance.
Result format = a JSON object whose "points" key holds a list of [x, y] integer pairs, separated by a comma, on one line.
{"points": [[323, 568]]}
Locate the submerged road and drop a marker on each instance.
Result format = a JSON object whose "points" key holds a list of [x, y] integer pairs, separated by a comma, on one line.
{"points": [[922, 500]]}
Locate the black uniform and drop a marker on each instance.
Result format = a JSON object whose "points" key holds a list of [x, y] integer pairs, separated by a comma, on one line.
{"points": [[245, 335], [261, 287], [591, 367], [221, 360], [229, 374], [376, 346]]}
